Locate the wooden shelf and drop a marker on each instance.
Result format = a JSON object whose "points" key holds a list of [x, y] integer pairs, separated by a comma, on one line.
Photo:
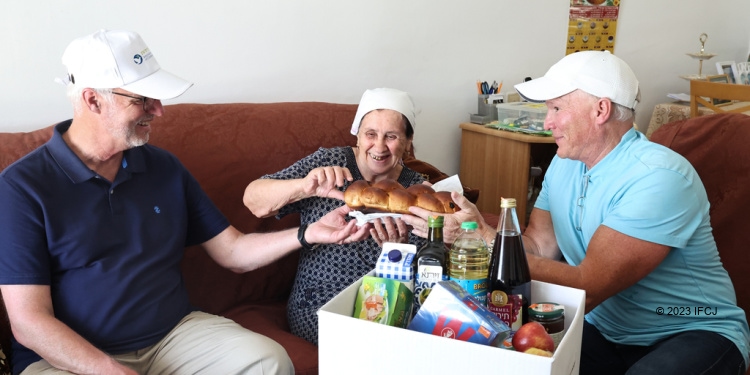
{"points": [[497, 162]]}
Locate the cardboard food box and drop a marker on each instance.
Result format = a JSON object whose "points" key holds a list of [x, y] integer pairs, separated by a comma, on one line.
{"points": [[348, 345], [453, 313], [383, 301]]}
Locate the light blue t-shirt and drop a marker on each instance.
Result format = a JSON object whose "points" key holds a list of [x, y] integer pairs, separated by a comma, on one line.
{"points": [[647, 191]]}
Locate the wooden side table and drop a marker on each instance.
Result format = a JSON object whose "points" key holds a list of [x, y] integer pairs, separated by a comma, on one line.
{"points": [[497, 162]]}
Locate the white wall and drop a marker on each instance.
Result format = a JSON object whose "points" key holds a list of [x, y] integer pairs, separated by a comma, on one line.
{"points": [[332, 50]]}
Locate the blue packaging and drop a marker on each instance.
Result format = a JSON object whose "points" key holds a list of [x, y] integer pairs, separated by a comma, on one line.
{"points": [[449, 311]]}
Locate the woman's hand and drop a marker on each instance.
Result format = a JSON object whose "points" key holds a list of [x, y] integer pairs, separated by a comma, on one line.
{"points": [[389, 229], [324, 181]]}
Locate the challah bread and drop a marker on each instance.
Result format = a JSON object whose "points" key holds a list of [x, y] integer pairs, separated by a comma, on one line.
{"points": [[374, 198], [420, 189], [446, 201], [354, 192], [429, 202], [387, 185], [390, 196], [399, 201]]}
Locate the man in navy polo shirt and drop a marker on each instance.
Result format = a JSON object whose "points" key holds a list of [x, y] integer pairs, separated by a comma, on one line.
{"points": [[94, 224]]}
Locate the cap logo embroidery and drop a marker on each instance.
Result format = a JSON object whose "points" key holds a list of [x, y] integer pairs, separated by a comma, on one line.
{"points": [[139, 58]]}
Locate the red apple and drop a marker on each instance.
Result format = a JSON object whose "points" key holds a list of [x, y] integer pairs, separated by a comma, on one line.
{"points": [[533, 335]]}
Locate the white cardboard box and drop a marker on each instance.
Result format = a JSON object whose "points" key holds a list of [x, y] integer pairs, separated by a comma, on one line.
{"points": [[347, 345]]}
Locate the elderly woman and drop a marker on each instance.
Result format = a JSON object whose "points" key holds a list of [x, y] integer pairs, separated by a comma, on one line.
{"points": [[314, 185]]}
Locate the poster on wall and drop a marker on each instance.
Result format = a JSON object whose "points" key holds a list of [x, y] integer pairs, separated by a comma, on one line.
{"points": [[592, 25]]}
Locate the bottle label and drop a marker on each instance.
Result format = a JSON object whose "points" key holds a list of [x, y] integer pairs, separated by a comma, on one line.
{"points": [[507, 308], [475, 287], [426, 278]]}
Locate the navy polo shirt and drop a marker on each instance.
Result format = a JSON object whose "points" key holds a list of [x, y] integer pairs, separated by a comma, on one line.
{"points": [[111, 252]]}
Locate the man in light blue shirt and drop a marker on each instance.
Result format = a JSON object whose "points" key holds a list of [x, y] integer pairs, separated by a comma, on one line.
{"points": [[631, 218]]}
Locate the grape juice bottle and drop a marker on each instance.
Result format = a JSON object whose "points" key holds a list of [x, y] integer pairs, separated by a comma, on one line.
{"points": [[509, 289]]}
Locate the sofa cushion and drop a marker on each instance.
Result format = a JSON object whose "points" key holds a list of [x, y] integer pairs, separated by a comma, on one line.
{"points": [[718, 147], [16, 145]]}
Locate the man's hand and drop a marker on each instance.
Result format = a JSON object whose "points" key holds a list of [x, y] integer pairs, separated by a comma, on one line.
{"points": [[451, 222], [323, 182], [333, 228], [389, 229]]}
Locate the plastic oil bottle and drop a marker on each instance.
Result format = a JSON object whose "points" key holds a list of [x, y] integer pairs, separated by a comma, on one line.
{"points": [[469, 261]]}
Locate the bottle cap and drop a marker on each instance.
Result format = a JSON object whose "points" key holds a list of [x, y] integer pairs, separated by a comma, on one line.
{"points": [[472, 225], [546, 310], [434, 221], [394, 255], [507, 202]]}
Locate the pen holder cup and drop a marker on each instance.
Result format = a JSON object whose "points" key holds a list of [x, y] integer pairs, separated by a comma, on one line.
{"points": [[485, 108]]}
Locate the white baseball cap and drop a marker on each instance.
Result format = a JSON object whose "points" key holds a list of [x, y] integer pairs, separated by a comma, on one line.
{"points": [[598, 73], [384, 98], [109, 59]]}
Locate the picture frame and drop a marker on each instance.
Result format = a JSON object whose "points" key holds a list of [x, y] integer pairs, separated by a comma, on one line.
{"points": [[719, 78], [743, 69], [729, 68]]}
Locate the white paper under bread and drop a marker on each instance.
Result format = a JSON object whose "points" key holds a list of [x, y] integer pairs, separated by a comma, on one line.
{"points": [[363, 218], [451, 183]]}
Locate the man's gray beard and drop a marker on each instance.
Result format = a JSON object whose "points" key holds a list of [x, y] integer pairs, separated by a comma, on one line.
{"points": [[137, 142], [131, 140]]}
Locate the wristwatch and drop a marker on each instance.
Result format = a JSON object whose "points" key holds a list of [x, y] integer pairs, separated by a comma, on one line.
{"points": [[301, 238]]}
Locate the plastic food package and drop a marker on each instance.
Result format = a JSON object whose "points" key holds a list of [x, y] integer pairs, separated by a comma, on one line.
{"points": [[451, 312]]}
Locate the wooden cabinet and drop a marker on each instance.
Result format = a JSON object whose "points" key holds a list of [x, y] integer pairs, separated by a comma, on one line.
{"points": [[497, 162]]}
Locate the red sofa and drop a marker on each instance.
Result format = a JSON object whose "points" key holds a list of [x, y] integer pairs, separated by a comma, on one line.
{"points": [[225, 146]]}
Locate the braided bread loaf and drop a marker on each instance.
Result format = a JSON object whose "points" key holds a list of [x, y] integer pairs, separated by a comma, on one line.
{"points": [[389, 196]]}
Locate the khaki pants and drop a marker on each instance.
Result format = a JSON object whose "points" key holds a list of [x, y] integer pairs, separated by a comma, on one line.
{"points": [[201, 344]]}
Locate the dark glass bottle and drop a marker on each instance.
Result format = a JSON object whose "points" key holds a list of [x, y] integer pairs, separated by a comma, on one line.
{"points": [[431, 262], [509, 284]]}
